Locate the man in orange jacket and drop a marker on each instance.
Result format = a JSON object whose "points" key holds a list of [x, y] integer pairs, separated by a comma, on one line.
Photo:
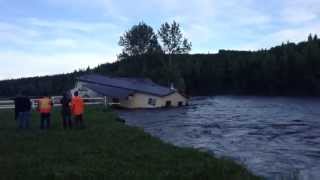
{"points": [[44, 107], [77, 108]]}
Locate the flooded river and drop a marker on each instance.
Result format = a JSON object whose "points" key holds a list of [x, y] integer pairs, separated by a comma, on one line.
{"points": [[278, 138]]}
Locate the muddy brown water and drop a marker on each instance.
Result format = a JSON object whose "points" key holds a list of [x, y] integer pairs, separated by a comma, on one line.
{"points": [[274, 137]]}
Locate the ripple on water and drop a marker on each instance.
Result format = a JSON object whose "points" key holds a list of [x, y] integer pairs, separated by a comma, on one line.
{"points": [[278, 138]]}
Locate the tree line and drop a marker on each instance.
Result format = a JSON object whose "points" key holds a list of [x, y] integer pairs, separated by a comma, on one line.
{"points": [[289, 69], [286, 70]]}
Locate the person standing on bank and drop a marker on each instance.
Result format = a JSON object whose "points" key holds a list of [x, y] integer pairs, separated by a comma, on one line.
{"points": [[77, 108], [44, 107], [22, 111], [66, 111]]}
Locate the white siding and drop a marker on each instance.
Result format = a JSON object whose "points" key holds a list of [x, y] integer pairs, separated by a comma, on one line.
{"points": [[140, 100]]}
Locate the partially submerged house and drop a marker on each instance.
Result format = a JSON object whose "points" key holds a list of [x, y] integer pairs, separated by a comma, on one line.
{"points": [[129, 92]]}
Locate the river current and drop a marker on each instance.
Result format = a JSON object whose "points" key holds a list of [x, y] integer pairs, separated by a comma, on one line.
{"points": [[274, 137]]}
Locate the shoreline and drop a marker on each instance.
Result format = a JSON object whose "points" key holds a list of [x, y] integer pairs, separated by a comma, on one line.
{"points": [[105, 149]]}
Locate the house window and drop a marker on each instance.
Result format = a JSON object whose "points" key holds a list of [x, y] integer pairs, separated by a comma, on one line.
{"points": [[180, 103], [168, 103], [115, 100], [152, 101], [130, 97]]}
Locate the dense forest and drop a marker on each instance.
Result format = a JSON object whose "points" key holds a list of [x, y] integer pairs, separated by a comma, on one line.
{"points": [[286, 70], [37, 86]]}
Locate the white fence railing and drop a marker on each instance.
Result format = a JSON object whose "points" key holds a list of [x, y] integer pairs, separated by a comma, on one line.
{"points": [[9, 104]]}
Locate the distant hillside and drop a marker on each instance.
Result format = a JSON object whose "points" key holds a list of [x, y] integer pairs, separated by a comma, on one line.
{"points": [[37, 86], [290, 70]]}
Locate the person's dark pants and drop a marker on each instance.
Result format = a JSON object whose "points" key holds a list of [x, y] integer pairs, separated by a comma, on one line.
{"points": [[79, 121], [23, 119], [45, 121], [67, 121]]}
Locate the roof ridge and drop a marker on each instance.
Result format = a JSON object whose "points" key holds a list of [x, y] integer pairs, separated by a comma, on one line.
{"points": [[148, 87]]}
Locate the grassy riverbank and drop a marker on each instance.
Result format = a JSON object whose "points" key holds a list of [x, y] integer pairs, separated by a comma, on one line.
{"points": [[106, 149]]}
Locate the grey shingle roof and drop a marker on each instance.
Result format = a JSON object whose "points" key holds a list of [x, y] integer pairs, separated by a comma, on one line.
{"points": [[109, 91], [129, 84]]}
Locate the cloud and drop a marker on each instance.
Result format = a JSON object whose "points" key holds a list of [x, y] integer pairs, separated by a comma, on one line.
{"points": [[62, 43], [298, 16], [196, 16], [83, 3], [33, 46], [59, 35], [60, 31], [21, 64], [10, 32], [298, 11], [252, 25], [71, 25], [276, 38]]}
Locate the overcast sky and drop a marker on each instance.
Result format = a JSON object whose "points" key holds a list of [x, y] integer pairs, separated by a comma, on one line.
{"points": [[40, 37]]}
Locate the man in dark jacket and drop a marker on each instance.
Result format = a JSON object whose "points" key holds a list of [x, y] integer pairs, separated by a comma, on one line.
{"points": [[66, 110], [22, 111]]}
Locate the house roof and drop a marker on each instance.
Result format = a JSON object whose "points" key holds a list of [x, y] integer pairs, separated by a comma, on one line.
{"points": [[126, 84], [110, 91]]}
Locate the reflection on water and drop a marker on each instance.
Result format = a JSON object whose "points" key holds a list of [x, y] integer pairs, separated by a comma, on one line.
{"points": [[278, 138]]}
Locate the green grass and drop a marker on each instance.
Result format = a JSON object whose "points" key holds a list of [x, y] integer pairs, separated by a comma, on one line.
{"points": [[105, 149]]}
